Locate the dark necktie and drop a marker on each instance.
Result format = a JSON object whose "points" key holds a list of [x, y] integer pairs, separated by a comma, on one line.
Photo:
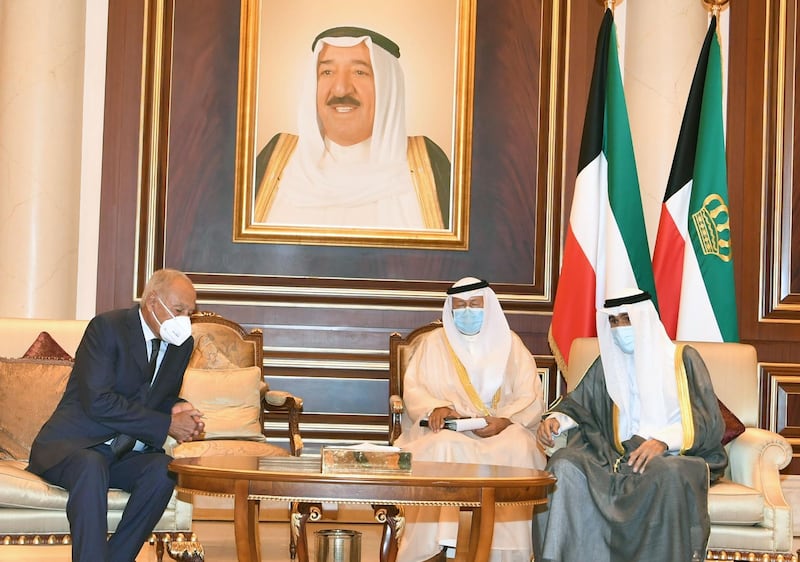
{"points": [[123, 443], [151, 366]]}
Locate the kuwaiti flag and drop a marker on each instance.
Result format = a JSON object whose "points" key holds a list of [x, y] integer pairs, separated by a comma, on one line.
{"points": [[606, 245], [692, 261]]}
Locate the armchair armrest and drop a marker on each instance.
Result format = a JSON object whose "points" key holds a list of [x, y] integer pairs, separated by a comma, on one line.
{"points": [[396, 404], [282, 401], [756, 458], [396, 409]]}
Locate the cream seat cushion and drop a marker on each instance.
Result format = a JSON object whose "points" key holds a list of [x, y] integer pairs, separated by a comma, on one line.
{"points": [[229, 398], [30, 506], [735, 504], [20, 488]]}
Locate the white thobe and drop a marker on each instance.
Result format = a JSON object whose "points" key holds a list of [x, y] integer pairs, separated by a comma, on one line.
{"points": [[431, 381]]}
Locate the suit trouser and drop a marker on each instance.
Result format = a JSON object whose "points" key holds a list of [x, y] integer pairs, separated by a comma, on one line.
{"points": [[87, 474]]}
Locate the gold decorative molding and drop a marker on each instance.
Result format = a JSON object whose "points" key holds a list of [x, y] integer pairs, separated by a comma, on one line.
{"points": [[751, 556], [779, 302], [154, 127], [782, 384], [248, 228]]}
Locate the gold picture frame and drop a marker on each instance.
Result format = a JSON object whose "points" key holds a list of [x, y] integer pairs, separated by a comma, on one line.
{"points": [[254, 69]]}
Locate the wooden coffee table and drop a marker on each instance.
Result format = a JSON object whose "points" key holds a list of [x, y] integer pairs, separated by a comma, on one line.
{"points": [[248, 480]]}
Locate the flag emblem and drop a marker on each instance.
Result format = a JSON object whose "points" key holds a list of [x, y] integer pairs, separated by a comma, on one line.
{"points": [[713, 227]]}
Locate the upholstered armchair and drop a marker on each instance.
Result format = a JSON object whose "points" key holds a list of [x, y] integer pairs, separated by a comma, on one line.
{"points": [[225, 381], [401, 349], [750, 517]]}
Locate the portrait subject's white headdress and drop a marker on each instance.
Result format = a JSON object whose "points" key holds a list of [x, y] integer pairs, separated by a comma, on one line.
{"points": [[373, 170]]}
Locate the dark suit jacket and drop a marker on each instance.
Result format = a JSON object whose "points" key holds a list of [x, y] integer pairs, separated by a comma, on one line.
{"points": [[107, 392]]}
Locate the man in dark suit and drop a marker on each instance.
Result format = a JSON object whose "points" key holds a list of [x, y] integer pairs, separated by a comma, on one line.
{"points": [[120, 404]]}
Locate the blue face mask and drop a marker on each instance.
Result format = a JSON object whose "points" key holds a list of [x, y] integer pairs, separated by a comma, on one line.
{"points": [[624, 338], [468, 320]]}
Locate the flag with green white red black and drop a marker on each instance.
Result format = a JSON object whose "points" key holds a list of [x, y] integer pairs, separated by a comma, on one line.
{"points": [[606, 248], [693, 257]]}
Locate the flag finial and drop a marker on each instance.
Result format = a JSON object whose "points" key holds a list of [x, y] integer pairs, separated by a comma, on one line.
{"points": [[715, 6], [610, 3]]}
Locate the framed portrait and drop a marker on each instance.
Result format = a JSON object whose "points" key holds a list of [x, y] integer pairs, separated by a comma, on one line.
{"points": [[183, 118], [354, 125]]}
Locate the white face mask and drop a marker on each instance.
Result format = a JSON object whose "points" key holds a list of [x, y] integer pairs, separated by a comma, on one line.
{"points": [[468, 320], [174, 330]]}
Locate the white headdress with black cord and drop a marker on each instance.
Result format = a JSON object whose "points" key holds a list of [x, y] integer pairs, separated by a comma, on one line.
{"points": [[485, 354], [643, 384]]}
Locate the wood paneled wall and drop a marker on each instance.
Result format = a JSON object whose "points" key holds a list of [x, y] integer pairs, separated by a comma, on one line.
{"points": [[327, 311], [765, 195]]}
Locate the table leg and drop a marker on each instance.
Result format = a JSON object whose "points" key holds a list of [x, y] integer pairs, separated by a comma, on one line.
{"points": [[394, 522], [474, 529], [253, 512], [483, 524], [245, 524], [305, 511]]}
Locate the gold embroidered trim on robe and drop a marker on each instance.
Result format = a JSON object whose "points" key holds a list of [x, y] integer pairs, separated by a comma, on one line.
{"points": [[419, 164], [469, 388], [615, 425], [684, 401], [268, 188]]}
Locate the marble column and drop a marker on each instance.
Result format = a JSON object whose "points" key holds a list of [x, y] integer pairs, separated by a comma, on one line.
{"points": [[662, 43], [41, 89]]}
